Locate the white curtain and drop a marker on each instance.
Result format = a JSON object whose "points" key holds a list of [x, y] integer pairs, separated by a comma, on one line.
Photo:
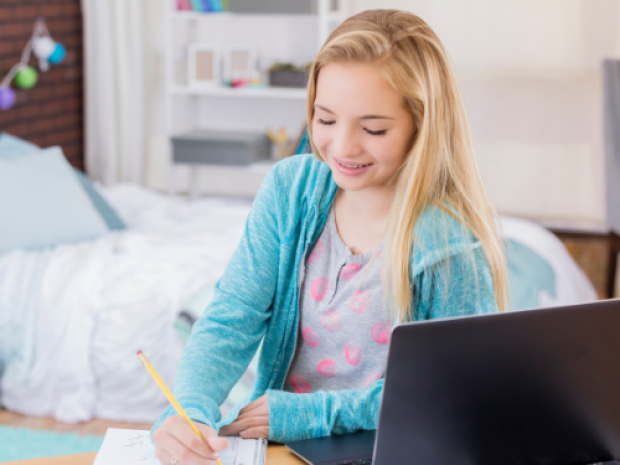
{"points": [[114, 89]]}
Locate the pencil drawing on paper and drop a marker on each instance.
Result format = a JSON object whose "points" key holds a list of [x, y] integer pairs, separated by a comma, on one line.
{"points": [[139, 440]]}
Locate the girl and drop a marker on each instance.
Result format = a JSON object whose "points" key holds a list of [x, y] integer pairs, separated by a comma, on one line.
{"points": [[387, 222]]}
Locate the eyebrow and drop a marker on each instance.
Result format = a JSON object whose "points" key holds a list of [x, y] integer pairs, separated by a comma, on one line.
{"points": [[362, 117]]}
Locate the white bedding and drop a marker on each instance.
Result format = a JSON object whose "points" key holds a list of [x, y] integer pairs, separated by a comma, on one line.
{"points": [[72, 319], [77, 314]]}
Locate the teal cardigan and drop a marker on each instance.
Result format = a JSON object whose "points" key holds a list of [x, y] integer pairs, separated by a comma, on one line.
{"points": [[257, 298]]}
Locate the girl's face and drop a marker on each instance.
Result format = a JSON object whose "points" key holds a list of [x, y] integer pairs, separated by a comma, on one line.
{"points": [[360, 127]]}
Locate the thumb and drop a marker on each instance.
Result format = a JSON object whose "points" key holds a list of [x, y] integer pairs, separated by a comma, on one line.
{"points": [[211, 438], [216, 443]]}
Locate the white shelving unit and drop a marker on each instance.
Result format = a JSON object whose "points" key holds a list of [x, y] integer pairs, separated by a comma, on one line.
{"points": [[268, 92], [289, 38]]}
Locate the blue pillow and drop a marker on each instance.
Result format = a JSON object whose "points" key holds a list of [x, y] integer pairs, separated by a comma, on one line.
{"points": [[528, 274], [11, 146], [42, 204], [105, 210]]}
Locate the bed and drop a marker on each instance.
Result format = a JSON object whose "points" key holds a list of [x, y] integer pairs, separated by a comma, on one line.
{"points": [[72, 316], [77, 313]]}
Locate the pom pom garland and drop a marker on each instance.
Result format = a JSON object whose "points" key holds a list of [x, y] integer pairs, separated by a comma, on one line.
{"points": [[26, 77], [45, 49], [58, 54], [7, 98]]}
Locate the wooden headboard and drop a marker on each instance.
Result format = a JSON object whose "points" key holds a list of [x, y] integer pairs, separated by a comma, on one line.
{"points": [[51, 113]]}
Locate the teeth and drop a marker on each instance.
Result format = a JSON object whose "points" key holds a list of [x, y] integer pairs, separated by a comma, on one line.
{"points": [[354, 166]]}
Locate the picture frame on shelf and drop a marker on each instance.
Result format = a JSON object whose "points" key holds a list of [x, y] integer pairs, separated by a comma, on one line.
{"points": [[239, 63], [203, 66]]}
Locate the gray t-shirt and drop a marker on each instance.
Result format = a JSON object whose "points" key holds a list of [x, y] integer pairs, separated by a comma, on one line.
{"points": [[344, 329]]}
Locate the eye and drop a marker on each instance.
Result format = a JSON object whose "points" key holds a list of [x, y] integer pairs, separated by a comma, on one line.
{"points": [[326, 123], [375, 133]]}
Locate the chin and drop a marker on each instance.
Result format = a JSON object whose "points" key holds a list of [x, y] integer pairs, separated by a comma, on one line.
{"points": [[348, 184]]}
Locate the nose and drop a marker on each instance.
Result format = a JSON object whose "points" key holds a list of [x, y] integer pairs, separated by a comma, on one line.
{"points": [[346, 143]]}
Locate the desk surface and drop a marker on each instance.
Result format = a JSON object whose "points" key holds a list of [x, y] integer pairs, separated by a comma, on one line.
{"points": [[276, 455]]}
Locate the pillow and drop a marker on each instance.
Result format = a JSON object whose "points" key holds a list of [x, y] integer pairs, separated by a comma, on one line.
{"points": [[42, 203], [11, 146], [105, 210], [529, 275]]}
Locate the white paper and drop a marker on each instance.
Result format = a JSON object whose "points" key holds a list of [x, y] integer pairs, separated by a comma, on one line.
{"points": [[134, 447]]}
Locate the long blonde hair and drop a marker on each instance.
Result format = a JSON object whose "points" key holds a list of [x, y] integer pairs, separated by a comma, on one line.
{"points": [[440, 169]]}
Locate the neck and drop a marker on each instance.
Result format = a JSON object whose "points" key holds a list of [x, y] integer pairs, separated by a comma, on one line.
{"points": [[368, 205]]}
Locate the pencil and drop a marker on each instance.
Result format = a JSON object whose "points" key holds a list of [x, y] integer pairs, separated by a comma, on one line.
{"points": [[169, 395]]}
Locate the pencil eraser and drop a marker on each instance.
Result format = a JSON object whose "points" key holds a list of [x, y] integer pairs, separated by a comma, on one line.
{"points": [[139, 352]]}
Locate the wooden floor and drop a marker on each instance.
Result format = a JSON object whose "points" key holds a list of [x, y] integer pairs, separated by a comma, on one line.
{"points": [[276, 454], [91, 427]]}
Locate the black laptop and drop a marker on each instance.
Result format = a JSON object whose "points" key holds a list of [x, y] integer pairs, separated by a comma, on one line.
{"points": [[535, 387]]}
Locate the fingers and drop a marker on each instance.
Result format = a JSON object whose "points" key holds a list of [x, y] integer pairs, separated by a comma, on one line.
{"points": [[216, 443], [168, 447], [184, 434], [211, 438], [175, 438], [256, 432], [244, 424], [253, 415], [252, 406]]}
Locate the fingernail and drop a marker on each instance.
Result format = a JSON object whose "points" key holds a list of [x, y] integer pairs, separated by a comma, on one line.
{"points": [[216, 456]]}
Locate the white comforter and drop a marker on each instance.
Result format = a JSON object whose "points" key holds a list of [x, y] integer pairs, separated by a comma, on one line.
{"points": [[72, 319]]}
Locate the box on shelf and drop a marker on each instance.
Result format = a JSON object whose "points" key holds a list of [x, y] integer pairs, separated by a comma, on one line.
{"points": [[273, 6], [288, 77], [220, 147]]}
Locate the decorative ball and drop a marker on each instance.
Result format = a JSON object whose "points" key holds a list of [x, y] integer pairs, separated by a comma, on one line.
{"points": [[26, 77], [43, 47], [44, 65], [58, 54], [7, 98]]}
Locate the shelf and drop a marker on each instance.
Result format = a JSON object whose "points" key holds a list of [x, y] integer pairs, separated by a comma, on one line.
{"points": [[194, 15], [265, 92], [198, 15], [261, 167]]}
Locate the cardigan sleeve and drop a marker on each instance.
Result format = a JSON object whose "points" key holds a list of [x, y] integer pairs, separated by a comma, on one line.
{"points": [[456, 286], [225, 338]]}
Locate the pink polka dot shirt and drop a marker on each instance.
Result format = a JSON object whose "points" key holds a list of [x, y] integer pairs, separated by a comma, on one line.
{"points": [[343, 329]]}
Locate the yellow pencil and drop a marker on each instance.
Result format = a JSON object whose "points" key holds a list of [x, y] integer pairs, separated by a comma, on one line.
{"points": [[169, 395]]}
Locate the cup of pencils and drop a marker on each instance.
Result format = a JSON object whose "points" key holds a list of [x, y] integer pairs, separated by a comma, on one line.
{"points": [[281, 143]]}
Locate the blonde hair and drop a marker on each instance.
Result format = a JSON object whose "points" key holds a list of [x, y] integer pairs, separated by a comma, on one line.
{"points": [[440, 169]]}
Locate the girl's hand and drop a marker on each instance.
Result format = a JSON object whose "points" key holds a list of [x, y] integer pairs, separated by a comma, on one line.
{"points": [[176, 442], [252, 422]]}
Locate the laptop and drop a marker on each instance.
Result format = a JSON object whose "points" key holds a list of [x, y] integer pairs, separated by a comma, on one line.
{"points": [[534, 387]]}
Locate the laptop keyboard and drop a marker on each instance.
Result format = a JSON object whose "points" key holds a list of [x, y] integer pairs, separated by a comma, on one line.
{"points": [[367, 461]]}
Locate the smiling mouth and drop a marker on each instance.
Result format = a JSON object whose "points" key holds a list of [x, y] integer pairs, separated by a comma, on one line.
{"points": [[352, 166]]}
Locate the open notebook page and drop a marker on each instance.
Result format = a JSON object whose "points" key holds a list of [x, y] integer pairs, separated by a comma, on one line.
{"points": [[134, 447]]}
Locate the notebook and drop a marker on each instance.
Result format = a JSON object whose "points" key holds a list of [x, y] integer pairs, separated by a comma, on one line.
{"points": [[134, 447]]}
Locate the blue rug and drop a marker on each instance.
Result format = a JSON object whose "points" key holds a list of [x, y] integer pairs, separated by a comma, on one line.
{"points": [[24, 443]]}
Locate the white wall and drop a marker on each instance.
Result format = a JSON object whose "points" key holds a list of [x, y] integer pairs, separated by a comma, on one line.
{"points": [[529, 72]]}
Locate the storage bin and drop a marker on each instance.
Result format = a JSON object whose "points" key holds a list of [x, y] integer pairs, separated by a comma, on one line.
{"points": [[220, 147]]}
